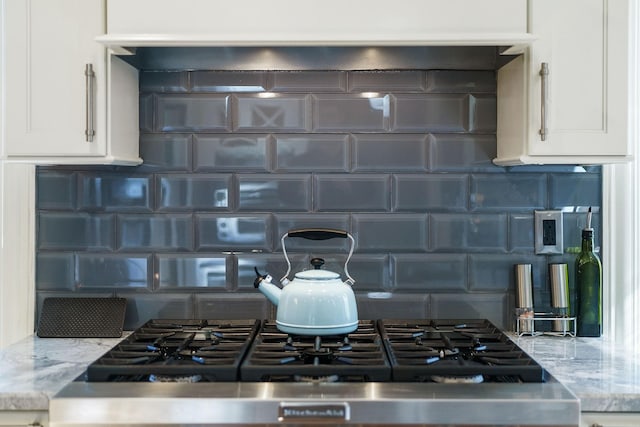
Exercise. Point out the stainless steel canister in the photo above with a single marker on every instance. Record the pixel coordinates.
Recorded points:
(559, 281)
(524, 297)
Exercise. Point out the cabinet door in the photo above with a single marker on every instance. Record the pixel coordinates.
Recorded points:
(48, 44)
(585, 44)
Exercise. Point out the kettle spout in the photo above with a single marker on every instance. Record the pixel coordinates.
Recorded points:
(268, 289)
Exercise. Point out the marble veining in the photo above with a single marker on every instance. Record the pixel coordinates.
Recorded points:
(603, 374)
(34, 369)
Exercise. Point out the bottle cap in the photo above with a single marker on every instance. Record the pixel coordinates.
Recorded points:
(587, 233)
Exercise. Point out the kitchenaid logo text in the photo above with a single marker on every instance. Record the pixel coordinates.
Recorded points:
(313, 411)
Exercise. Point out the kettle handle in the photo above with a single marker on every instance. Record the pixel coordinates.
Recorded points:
(317, 234)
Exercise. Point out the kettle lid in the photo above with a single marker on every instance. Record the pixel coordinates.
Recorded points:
(317, 275)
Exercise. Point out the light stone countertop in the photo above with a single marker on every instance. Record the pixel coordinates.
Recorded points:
(605, 375)
(602, 374)
(34, 369)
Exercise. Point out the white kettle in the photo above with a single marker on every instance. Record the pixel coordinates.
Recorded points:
(317, 301)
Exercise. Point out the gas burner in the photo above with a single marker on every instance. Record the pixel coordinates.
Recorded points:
(454, 350)
(177, 351)
(357, 356)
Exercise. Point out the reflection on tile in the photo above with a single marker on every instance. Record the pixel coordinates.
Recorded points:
(114, 192)
(444, 192)
(390, 152)
(180, 113)
(228, 232)
(311, 153)
(155, 232)
(362, 112)
(281, 112)
(193, 191)
(237, 152)
(192, 271)
(113, 271)
(274, 193)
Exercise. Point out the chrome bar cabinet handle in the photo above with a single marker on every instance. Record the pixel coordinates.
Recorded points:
(89, 119)
(544, 74)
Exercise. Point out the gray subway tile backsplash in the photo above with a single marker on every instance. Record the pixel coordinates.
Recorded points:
(180, 192)
(233, 152)
(432, 193)
(112, 192)
(368, 112)
(431, 113)
(167, 81)
(390, 152)
(226, 81)
(75, 230)
(201, 112)
(286, 112)
(155, 232)
(404, 81)
(233, 160)
(357, 193)
(179, 271)
(166, 152)
(311, 152)
(113, 271)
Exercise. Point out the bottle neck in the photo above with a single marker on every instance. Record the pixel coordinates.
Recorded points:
(587, 241)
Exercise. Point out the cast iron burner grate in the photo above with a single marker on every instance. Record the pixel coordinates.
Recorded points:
(455, 351)
(179, 351)
(355, 357)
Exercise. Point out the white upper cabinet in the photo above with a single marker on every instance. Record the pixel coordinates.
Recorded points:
(325, 22)
(575, 111)
(60, 106)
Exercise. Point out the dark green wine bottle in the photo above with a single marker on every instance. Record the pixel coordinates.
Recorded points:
(588, 288)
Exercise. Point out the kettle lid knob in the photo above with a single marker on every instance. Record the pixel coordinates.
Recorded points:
(317, 263)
